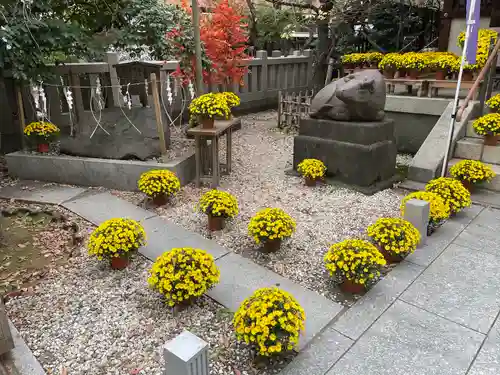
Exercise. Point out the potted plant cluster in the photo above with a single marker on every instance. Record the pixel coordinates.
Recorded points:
(494, 103)
(313, 170)
(443, 64)
(270, 227)
(270, 320)
(159, 185)
(394, 237)
(439, 210)
(485, 39)
(115, 240)
(183, 274)
(354, 263)
(206, 108)
(414, 63)
(218, 206)
(471, 173)
(389, 64)
(41, 133)
(489, 127)
(452, 191)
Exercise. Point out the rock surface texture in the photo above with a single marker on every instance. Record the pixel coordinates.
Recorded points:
(356, 97)
(349, 132)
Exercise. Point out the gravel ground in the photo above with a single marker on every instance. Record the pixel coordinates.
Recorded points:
(90, 319)
(324, 214)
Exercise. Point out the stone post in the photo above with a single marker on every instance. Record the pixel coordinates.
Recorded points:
(186, 354)
(6, 342)
(417, 213)
(262, 55)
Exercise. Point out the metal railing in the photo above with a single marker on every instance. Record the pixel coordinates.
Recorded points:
(487, 86)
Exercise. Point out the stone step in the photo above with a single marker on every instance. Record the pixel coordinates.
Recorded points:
(470, 131)
(474, 148)
(494, 184)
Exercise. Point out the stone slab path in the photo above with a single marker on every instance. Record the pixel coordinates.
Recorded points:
(436, 313)
(239, 276)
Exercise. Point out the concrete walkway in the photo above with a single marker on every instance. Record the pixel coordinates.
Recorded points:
(436, 313)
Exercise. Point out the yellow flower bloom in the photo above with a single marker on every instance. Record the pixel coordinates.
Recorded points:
(271, 223)
(312, 168)
(472, 171)
(219, 203)
(454, 194)
(257, 324)
(159, 181)
(395, 235)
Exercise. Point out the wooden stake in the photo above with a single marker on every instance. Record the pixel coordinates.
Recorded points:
(20, 109)
(159, 122)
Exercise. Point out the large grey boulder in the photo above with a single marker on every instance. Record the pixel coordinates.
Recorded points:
(123, 141)
(358, 96)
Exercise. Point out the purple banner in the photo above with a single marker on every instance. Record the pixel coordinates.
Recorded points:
(470, 55)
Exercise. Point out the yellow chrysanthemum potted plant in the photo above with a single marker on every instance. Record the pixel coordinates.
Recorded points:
(182, 275)
(159, 185)
(453, 192)
(389, 64)
(269, 227)
(313, 170)
(218, 206)
(395, 238)
(439, 210)
(354, 264)
(232, 101)
(207, 107)
(489, 127)
(414, 63)
(41, 133)
(471, 173)
(493, 103)
(115, 240)
(271, 320)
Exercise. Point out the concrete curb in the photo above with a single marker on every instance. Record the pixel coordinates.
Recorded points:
(109, 173)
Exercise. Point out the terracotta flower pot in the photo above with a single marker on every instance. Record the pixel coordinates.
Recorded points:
(389, 257)
(491, 140)
(271, 246)
(467, 75)
(441, 75)
(215, 223)
(349, 286)
(414, 73)
(401, 73)
(207, 122)
(389, 73)
(120, 263)
(468, 185)
(309, 181)
(43, 147)
(160, 200)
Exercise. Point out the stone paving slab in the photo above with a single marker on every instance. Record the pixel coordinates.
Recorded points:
(39, 192)
(240, 277)
(409, 341)
(487, 361)
(443, 237)
(320, 355)
(163, 236)
(100, 207)
(367, 309)
(462, 286)
(480, 238)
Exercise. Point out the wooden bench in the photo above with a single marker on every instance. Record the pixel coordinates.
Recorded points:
(422, 85)
(435, 85)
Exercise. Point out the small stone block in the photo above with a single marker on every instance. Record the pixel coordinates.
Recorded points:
(491, 154)
(417, 212)
(186, 354)
(40, 192)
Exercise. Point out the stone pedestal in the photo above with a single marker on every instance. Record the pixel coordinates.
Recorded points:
(356, 153)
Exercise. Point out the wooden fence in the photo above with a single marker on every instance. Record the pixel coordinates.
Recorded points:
(293, 106)
(266, 76)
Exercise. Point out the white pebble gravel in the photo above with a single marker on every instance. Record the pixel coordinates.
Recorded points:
(324, 214)
(93, 320)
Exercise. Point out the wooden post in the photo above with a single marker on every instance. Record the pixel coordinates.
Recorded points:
(197, 47)
(159, 122)
(114, 98)
(20, 108)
